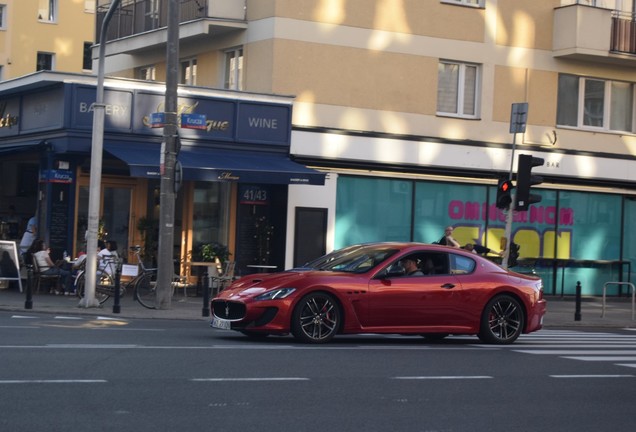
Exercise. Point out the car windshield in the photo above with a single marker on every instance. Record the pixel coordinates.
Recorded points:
(356, 260)
(332, 256)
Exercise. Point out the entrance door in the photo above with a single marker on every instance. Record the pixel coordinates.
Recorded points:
(115, 214)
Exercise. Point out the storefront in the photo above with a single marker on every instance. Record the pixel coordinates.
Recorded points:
(235, 162)
(387, 188)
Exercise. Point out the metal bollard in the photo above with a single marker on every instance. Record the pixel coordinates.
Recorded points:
(116, 304)
(28, 304)
(206, 296)
(577, 312)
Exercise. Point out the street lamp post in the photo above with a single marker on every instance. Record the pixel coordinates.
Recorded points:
(97, 147)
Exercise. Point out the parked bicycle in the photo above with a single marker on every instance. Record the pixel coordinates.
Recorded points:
(143, 284)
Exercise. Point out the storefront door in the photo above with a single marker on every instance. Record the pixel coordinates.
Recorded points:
(116, 211)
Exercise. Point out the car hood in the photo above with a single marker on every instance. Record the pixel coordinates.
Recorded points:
(253, 285)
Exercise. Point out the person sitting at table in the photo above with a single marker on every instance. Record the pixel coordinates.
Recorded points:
(48, 267)
(105, 258)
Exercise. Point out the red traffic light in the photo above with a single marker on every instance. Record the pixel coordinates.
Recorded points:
(504, 187)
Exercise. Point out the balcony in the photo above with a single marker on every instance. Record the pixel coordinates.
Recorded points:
(141, 24)
(586, 32)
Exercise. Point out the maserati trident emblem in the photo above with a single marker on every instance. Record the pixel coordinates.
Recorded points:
(227, 310)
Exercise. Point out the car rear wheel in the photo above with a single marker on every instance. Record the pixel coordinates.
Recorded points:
(502, 320)
(316, 318)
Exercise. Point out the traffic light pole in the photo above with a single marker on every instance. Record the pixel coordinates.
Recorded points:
(511, 206)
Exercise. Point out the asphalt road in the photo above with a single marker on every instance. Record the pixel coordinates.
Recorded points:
(64, 373)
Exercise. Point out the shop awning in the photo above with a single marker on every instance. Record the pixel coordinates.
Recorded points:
(208, 164)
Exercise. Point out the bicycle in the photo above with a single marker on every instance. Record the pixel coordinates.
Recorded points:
(144, 283)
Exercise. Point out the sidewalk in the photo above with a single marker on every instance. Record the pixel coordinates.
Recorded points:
(561, 310)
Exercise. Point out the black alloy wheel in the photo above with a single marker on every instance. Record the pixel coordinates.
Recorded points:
(502, 320)
(316, 318)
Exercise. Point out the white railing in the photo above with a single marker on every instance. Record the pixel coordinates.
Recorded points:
(631, 285)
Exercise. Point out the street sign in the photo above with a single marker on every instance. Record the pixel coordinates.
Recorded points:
(193, 121)
(518, 117)
(157, 119)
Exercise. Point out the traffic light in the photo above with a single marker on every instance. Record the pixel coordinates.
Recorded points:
(504, 190)
(513, 256)
(525, 180)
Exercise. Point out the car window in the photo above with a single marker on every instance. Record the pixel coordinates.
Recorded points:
(359, 260)
(461, 264)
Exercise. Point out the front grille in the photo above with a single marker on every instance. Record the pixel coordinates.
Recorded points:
(228, 310)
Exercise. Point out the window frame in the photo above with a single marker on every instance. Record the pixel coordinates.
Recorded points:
(37, 61)
(233, 76)
(3, 16)
(184, 65)
(582, 97)
(468, 3)
(461, 90)
(51, 8)
(142, 73)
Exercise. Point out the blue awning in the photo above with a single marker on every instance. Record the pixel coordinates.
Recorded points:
(208, 164)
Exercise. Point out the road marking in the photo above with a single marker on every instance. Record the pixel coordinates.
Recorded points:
(602, 358)
(442, 377)
(248, 379)
(579, 352)
(51, 381)
(591, 376)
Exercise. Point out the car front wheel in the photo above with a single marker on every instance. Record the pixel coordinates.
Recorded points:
(316, 318)
(502, 320)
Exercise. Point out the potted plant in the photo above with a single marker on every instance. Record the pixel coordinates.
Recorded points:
(211, 252)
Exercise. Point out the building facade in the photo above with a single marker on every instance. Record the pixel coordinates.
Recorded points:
(406, 106)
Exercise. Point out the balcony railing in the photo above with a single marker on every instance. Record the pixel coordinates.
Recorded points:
(134, 17)
(623, 33)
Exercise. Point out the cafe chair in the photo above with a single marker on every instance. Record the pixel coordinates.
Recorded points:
(52, 280)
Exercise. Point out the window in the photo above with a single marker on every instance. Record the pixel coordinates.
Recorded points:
(146, 73)
(457, 86)
(47, 10)
(595, 103)
(465, 2)
(188, 72)
(234, 69)
(87, 60)
(3, 14)
(44, 61)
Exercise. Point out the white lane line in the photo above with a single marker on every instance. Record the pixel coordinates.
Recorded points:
(89, 346)
(444, 377)
(602, 358)
(591, 376)
(579, 352)
(632, 365)
(249, 379)
(23, 317)
(61, 317)
(51, 381)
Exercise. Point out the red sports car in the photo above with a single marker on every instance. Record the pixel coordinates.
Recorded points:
(399, 288)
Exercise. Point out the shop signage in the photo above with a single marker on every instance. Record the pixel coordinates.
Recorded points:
(56, 176)
(254, 195)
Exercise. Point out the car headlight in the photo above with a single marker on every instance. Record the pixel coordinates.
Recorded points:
(276, 294)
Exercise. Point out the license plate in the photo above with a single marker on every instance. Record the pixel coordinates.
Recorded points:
(221, 324)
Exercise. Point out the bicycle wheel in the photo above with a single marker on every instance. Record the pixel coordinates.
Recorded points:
(146, 292)
(104, 286)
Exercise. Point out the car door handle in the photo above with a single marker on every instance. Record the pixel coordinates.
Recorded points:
(448, 285)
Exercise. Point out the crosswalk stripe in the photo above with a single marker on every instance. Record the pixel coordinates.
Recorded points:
(619, 349)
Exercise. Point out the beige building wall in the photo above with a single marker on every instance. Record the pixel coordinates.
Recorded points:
(25, 35)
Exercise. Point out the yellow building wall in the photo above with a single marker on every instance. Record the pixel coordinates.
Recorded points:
(26, 35)
(398, 82)
(416, 17)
